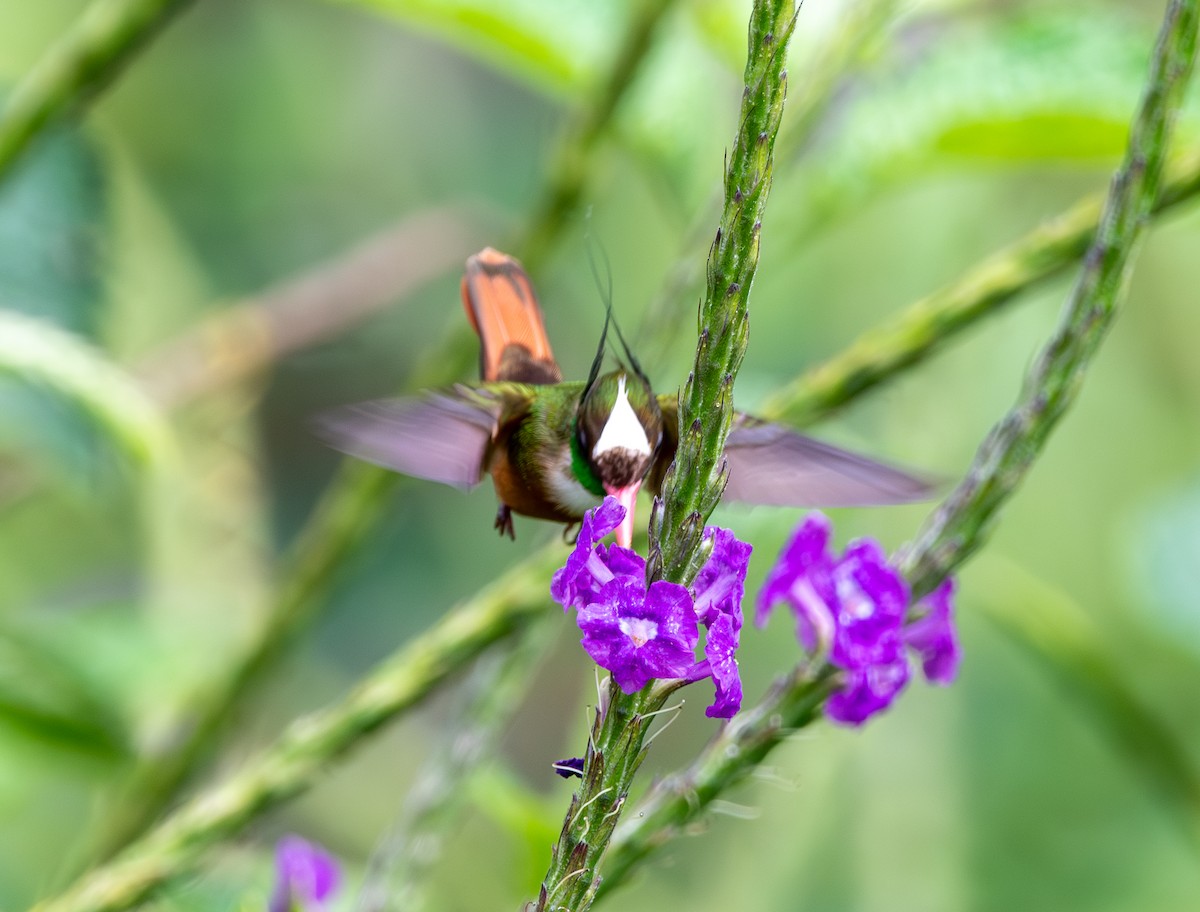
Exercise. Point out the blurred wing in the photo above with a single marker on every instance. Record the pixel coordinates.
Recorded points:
(772, 464)
(439, 437)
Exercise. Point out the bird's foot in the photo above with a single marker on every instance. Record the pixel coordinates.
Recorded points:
(504, 522)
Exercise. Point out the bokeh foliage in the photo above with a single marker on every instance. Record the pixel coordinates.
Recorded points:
(254, 139)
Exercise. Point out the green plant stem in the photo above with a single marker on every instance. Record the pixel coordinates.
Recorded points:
(294, 761)
(398, 874)
(569, 169)
(616, 746)
(792, 703)
(833, 63)
(356, 498)
(89, 56)
(957, 528)
(342, 520)
(695, 481)
(345, 516)
(929, 324)
(242, 339)
(962, 522)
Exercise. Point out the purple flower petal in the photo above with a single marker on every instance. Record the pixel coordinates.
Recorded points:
(871, 601)
(933, 636)
(856, 606)
(639, 635)
(721, 582)
(719, 650)
(622, 561)
(808, 548)
(602, 520)
(569, 768)
(869, 689)
(579, 581)
(803, 577)
(305, 876)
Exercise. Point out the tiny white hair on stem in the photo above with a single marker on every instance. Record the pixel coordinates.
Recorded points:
(671, 709)
(771, 776)
(730, 809)
(599, 794)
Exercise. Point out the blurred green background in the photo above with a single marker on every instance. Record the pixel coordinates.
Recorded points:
(257, 139)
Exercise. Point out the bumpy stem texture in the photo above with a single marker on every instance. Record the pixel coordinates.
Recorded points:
(957, 528)
(694, 484)
(354, 502)
(695, 481)
(107, 35)
(792, 703)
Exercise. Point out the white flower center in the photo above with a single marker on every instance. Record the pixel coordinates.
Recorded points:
(622, 430)
(854, 601)
(816, 610)
(640, 630)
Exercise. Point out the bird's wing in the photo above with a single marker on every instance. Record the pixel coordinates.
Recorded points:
(442, 436)
(774, 465)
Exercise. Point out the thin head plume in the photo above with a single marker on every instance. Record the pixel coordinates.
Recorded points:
(598, 361)
(605, 287)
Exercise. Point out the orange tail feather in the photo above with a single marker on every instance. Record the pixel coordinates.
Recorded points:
(504, 311)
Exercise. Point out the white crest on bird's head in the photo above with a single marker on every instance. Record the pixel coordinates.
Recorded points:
(623, 429)
(619, 428)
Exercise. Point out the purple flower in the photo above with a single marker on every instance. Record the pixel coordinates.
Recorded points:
(719, 651)
(572, 767)
(868, 607)
(590, 565)
(305, 876)
(870, 687)
(803, 577)
(932, 636)
(721, 582)
(641, 633)
(852, 609)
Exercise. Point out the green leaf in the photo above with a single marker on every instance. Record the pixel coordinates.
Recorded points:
(1046, 88)
(52, 212)
(557, 46)
(45, 696)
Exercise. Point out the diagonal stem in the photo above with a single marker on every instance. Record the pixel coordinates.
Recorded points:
(88, 57)
(175, 845)
(569, 171)
(399, 872)
(928, 325)
(961, 524)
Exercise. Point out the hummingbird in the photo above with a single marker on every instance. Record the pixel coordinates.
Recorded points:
(556, 448)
